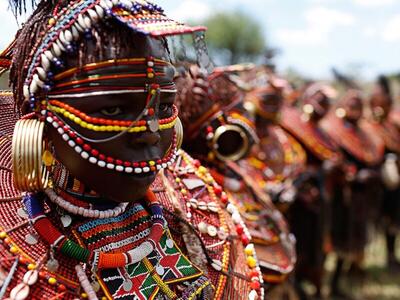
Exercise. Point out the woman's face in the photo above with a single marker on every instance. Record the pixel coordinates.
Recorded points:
(320, 103)
(130, 147)
(381, 105)
(354, 109)
(271, 102)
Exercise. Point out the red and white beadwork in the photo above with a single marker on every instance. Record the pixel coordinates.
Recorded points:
(94, 156)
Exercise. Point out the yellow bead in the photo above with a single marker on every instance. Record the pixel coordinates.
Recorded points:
(177, 180)
(249, 251)
(90, 126)
(104, 298)
(153, 92)
(13, 250)
(76, 120)
(31, 267)
(183, 191)
(52, 281)
(47, 158)
(3, 235)
(115, 128)
(52, 21)
(202, 170)
(84, 295)
(251, 262)
(152, 163)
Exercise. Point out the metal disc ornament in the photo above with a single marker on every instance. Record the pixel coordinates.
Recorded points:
(153, 125)
(127, 285)
(31, 239)
(66, 220)
(52, 265)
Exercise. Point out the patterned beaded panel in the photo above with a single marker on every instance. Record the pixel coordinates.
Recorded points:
(8, 117)
(213, 225)
(274, 244)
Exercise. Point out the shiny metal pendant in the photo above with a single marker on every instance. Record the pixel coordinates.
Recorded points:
(66, 220)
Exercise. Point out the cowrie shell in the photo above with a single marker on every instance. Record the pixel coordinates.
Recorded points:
(212, 231)
(20, 292)
(202, 227)
(92, 14)
(38, 81)
(213, 207)
(68, 36)
(26, 91)
(99, 11)
(217, 265)
(42, 73)
(45, 62)
(81, 22)
(75, 32)
(31, 277)
(202, 205)
(56, 50)
(49, 55)
(59, 44)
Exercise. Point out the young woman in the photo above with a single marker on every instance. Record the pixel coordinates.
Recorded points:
(93, 205)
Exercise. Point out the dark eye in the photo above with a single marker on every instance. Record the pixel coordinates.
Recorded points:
(165, 110)
(111, 111)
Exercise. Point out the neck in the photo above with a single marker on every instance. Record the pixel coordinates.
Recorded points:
(76, 192)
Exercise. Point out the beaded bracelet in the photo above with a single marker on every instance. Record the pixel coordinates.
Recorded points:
(99, 260)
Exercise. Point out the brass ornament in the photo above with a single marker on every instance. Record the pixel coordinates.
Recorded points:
(179, 133)
(236, 155)
(30, 172)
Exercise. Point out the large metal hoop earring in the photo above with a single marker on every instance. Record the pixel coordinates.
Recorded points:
(30, 171)
(179, 133)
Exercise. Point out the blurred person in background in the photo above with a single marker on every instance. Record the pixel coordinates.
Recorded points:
(309, 215)
(353, 202)
(382, 126)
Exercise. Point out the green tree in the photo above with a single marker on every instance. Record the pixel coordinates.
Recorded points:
(234, 37)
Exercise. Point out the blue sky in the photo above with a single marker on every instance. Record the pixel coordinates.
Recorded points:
(314, 35)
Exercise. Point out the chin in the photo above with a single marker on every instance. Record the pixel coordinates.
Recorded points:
(127, 188)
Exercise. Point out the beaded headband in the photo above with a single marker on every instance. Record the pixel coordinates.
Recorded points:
(71, 23)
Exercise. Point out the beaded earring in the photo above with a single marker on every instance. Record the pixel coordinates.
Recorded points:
(29, 157)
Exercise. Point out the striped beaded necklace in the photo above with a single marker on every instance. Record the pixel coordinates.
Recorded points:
(96, 259)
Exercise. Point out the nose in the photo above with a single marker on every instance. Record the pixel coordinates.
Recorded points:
(145, 139)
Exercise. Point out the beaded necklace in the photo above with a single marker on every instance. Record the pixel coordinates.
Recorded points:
(268, 229)
(310, 135)
(292, 157)
(385, 130)
(97, 259)
(354, 140)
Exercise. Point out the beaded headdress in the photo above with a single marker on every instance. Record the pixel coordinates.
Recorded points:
(69, 23)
